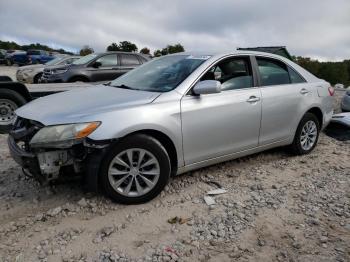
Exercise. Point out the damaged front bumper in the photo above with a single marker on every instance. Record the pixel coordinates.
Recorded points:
(46, 164)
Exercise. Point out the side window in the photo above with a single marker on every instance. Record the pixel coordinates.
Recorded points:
(107, 60)
(233, 73)
(272, 72)
(129, 60)
(295, 78)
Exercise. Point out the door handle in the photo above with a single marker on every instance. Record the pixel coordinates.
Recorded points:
(253, 99)
(304, 91)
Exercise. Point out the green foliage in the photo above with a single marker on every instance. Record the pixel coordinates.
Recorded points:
(86, 50)
(157, 53)
(169, 49)
(113, 47)
(13, 45)
(333, 72)
(124, 46)
(145, 51)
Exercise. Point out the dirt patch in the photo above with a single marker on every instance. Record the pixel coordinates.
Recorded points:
(277, 208)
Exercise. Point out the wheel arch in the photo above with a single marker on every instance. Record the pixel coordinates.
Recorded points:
(37, 76)
(318, 113)
(18, 88)
(166, 141)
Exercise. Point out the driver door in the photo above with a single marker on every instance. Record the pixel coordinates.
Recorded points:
(108, 69)
(215, 125)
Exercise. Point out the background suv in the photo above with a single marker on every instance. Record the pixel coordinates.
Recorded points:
(94, 67)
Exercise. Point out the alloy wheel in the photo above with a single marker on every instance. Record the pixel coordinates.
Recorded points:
(134, 172)
(308, 135)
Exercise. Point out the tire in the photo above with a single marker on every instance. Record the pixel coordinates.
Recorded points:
(297, 146)
(78, 79)
(9, 101)
(37, 77)
(151, 148)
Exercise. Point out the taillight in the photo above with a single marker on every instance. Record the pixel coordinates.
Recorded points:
(331, 91)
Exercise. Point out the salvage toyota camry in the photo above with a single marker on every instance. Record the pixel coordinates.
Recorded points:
(171, 115)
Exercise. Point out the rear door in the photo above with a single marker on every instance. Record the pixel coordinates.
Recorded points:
(285, 97)
(128, 62)
(215, 125)
(108, 69)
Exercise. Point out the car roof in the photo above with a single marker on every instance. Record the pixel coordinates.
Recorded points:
(227, 53)
(121, 52)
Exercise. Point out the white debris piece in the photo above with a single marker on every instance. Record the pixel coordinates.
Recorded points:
(209, 200)
(218, 191)
(342, 118)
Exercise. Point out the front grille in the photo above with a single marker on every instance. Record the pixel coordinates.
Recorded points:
(47, 73)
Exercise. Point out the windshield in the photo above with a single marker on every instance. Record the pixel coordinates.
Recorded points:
(54, 61)
(160, 75)
(84, 59)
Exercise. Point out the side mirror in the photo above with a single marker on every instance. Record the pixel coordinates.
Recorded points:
(96, 64)
(207, 87)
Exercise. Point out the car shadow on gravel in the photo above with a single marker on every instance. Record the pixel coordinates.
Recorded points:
(338, 131)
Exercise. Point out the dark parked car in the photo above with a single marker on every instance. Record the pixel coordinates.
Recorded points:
(94, 67)
(9, 56)
(29, 57)
(39, 56)
(2, 56)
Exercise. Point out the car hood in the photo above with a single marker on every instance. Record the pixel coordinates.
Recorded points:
(50, 67)
(82, 104)
(37, 66)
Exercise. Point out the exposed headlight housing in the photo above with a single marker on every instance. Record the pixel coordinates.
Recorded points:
(62, 136)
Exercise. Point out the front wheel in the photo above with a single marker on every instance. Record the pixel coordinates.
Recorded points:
(37, 78)
(135, 170)
(307, 134)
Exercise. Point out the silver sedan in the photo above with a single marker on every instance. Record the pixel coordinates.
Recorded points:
(31, 74)
(171, 115)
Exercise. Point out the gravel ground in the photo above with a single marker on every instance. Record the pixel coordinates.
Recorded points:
(277, 207)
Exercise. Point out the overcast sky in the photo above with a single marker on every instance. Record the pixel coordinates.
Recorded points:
(315, 28)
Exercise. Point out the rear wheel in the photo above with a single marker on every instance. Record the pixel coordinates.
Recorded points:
(307, 134)
(135, 170)
(9, 102)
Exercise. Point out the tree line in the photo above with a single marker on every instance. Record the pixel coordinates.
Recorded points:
(332, 72)
(7, 45)
(127, 46)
